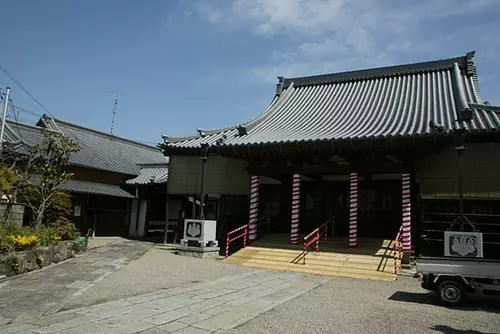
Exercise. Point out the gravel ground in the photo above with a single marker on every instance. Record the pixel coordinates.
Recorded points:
(158, 269)
(364, 306)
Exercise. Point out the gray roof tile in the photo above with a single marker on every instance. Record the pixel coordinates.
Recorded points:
(86, 187)
(368, 104)
(154, 173)
(104, 151)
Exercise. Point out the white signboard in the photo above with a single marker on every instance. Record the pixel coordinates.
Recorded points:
(463, 244)
(78, 210)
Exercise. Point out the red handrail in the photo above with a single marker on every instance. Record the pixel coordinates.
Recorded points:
(397, 248)
(244, 235)
(317, 234)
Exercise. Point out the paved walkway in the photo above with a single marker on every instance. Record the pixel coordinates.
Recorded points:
(207, 307)
(102, 241)
(49, 290)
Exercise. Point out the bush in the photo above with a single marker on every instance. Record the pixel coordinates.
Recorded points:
(65, 229)
(24, 238)
(17, 239)
(48, 236)
(22, 242)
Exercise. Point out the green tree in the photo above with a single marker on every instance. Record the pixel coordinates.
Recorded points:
(8, 180)
(51, 170)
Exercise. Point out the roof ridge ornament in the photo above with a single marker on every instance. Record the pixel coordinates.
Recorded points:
(464, 113)
(242, 131)
(280, 86)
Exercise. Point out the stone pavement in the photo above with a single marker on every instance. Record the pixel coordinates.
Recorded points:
(48, 290)
(207, 307)
(102, 241)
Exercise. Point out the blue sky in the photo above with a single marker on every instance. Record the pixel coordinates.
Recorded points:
(187, 64)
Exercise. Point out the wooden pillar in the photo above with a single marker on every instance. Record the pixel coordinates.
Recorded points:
(294, 232)
(133, 217)
(254, 207)
(353, 211)
(141, 224)
(406, 199)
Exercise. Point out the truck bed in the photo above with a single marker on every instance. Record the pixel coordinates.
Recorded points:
(477, 268)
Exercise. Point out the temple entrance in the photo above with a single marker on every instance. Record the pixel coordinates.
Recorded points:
(379, 207)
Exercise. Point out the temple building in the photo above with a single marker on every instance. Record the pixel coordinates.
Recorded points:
(371, 152)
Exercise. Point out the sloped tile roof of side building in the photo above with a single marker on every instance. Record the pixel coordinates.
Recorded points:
(104, 151)
(98, 150)
(386, 102)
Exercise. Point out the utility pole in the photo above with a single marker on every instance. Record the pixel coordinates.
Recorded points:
(4, 115)
(117, 95)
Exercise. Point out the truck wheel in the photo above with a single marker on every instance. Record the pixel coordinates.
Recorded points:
(451, 292)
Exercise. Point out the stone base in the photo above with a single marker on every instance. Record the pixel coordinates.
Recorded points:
(21, 262)
(199, 252)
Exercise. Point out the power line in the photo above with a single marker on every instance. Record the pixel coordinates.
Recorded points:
(26, 111)
(24, 89)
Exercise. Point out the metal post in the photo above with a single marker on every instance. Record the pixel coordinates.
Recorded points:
(204, 158)
(94, 225)
(4, 115)
(202, 197)
(193, 208)
(460, 150)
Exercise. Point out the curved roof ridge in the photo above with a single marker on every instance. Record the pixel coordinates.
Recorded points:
(485, 106)
(277, 100)
(466, 62)
(247, 123)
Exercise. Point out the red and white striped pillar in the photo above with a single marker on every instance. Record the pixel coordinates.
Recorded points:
(405, 177)
(353, 213)
(294, 233)
(254, 208)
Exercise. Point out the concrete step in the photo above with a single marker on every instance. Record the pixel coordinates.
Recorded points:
(316, 270)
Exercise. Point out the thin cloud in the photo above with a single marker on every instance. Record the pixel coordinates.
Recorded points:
(336, 35)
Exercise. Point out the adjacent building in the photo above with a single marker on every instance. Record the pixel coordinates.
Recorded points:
(118, 185)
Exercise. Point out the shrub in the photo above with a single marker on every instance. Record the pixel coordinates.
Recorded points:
(20, 242)
(64, 229)
(48, 236)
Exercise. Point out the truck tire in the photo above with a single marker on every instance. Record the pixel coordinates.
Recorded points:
(451, 293)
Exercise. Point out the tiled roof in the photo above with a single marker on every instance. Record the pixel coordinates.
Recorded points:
(152, 173)
(22, 137)
(369, 104)
(104, 151)
(94, 188)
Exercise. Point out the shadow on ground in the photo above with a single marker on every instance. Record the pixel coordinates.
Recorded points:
(450, 330)
(473, 303)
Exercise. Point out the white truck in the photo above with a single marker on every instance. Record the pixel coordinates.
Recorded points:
(454, 278)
